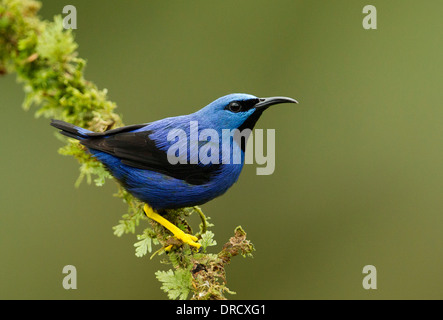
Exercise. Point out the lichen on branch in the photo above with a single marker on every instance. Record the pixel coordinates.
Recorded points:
(43, 56)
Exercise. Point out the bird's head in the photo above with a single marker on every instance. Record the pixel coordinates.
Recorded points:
(238, 110)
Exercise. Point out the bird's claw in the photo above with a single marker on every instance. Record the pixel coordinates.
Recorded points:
(179, 234)
(189, 239)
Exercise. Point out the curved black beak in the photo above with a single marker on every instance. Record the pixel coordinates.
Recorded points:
(264, 103)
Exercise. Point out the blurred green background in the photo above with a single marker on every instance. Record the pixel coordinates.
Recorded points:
(359, 163)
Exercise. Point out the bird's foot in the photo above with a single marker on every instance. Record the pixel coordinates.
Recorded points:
(179, 234)
(188, 238)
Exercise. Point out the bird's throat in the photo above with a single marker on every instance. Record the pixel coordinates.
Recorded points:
(249, 124)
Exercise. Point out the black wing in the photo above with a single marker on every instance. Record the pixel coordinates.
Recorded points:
(117, 130)
(137, 150)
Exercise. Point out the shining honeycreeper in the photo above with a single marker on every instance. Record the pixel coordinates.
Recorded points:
(139, 156)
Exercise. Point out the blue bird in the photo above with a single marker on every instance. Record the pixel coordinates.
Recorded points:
(143, 157)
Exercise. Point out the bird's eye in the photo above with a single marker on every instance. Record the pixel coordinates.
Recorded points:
(234, 107)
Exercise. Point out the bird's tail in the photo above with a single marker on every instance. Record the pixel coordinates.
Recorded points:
(70, 130)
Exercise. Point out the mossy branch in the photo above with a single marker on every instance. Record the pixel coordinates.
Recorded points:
(43, 55)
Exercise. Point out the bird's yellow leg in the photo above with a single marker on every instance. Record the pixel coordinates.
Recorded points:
(179, 234)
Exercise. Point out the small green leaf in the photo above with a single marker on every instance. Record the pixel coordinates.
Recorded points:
(142, 247)
(207, 240)
(176, 284)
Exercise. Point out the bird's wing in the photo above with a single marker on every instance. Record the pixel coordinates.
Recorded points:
(137, 150)
(117, 130)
